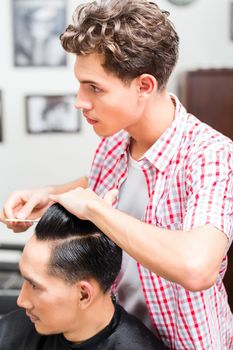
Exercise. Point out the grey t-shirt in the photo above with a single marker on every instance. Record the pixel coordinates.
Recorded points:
(133, 198)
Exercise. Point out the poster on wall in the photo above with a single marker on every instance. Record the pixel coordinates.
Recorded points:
(231, 21)
(1, 139)
(52, 114)
(37, 27)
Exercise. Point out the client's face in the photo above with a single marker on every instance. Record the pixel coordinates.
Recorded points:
(50, 303)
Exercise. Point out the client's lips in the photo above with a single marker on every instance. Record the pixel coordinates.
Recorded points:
(32, 317)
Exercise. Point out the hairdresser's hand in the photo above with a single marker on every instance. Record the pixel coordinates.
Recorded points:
(25, 204)
(78, 201)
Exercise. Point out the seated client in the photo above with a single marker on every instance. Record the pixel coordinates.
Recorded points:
(68, 267)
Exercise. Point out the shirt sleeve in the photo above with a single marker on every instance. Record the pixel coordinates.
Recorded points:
(209, 186)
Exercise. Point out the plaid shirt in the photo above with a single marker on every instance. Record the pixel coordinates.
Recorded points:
(189, 175)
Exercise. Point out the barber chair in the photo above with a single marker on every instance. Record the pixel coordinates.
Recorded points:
(10, 279)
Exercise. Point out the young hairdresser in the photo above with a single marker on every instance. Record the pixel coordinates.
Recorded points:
(172, 215)
(68, 267)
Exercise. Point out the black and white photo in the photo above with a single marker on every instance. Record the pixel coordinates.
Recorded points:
(52, 114)
(231, 21)
(1, 136)
(37, 27)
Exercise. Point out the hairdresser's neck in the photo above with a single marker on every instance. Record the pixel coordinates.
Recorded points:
(94, 319)
(157, 116)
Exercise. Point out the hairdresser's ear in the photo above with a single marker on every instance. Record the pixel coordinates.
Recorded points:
(147, 86)
(86, 292)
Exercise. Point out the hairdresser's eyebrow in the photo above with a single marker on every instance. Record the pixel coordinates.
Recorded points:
(29, 279)
(89, 82)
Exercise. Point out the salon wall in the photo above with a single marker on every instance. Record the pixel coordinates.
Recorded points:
(35, 160)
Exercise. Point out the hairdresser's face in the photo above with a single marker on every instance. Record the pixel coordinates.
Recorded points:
(108, 104)
(49, 302)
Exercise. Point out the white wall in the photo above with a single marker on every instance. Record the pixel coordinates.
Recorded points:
(36, 160)
(204, 30)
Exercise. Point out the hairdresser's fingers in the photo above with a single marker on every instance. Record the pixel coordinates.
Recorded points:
(76, 201)
(34, 204)
(2, 218)
(13, 225)
(15, 202)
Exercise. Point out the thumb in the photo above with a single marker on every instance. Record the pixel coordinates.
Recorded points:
(2, 218)
(111, 196)
(27, 208)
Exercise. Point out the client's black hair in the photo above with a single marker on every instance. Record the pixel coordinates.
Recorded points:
(79, 249)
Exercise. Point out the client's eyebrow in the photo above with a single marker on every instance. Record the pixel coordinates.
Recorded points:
(29, 279)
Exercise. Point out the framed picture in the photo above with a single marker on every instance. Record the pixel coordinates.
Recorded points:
(231, 21)
(1, 138)
(37, 27)
(52, 114)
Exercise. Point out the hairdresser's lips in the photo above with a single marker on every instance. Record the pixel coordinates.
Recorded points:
(89, 120)
(32, 317)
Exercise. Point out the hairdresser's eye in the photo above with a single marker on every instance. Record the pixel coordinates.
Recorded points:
(95, 89)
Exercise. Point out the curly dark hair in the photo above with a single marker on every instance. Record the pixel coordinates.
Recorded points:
(134, 36)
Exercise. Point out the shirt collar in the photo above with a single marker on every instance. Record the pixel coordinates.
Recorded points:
(163, 150)
(120, 143)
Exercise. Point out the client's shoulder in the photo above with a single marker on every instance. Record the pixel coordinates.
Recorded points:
(135, 334)
(17, 318)
(17, 331)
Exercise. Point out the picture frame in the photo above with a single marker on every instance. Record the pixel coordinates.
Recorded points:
(1, 117)
(37, 27)
(52, 114)
(231, 20)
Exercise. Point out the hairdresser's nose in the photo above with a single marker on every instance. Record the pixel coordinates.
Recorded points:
(82, 102)
(24, 297)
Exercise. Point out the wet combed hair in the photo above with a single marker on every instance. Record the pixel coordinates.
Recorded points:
(79, 249)
(134, 37)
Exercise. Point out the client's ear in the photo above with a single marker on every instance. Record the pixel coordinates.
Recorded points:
(85, 293)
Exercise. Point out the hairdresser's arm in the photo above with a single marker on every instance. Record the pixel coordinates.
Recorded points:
(190, 258)
(31, 204)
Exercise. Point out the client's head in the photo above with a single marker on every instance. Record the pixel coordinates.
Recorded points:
(68, 266)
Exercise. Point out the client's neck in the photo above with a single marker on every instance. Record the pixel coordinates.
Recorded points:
(93, 319)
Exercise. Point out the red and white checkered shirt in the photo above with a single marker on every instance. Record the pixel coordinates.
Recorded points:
(189, 174)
